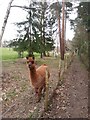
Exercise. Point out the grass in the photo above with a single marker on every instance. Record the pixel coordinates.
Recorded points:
(24, 87)
(49, 61)
(11, 94)
(9, 54)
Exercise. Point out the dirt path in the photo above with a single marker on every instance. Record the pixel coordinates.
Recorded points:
(71, 99)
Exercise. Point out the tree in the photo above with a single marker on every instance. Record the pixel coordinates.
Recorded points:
(64, 9)
(82, 26)
(33, 31)
(5, 20)
(63, 31)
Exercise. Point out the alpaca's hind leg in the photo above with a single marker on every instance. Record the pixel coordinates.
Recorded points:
(43, 90)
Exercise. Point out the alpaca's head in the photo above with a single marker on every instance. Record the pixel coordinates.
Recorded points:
(30, 62)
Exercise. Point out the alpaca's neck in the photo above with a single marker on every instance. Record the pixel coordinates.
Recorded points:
(33, 75)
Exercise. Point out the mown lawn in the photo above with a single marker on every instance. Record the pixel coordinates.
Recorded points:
(9, 54)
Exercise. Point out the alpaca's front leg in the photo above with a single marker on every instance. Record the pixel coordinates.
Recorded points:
(38, 93)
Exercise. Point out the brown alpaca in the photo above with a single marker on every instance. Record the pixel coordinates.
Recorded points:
(37, 76)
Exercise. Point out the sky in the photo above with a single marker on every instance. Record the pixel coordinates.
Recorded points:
(17, 15)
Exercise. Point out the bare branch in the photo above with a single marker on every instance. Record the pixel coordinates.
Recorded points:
(5, 21)
(23, 7)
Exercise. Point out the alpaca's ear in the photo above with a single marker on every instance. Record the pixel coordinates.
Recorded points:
(33, 57)
(26, 57)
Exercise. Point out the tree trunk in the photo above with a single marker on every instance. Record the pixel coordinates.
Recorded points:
(44, 53)
(5, 21)
(89, 52)
(19, 54)
(63, 30)
(41, 56)
(43, 27)
(30, 52)
(59, 28)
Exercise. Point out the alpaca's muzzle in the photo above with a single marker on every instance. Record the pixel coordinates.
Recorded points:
(30, 65)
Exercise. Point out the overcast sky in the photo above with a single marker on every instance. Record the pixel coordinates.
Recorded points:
(17, 15)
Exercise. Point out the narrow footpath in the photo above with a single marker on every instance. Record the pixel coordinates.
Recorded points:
(71, 98)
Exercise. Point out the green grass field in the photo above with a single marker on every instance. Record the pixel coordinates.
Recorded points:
(9, 54)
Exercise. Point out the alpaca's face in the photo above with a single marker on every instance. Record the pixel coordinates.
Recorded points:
(30, 62)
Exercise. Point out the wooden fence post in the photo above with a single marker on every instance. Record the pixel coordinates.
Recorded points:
(59, 71)
(68, 60)
(62, 68)
(65, 62)
(47, 89)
